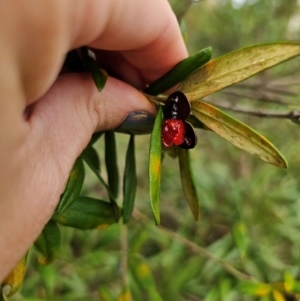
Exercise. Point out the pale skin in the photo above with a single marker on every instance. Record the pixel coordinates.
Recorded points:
(39, 147)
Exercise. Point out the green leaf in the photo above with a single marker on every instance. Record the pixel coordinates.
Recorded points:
(125, 295)
(278, 296)
(155, 157)
(48, 243)
(73, 186)
(187, 182)
(95, 137)
(295, 288)
(238, 133)
(143, 276)
(212, 295)
(111, 163)
(2, 294)
(99, 75)
(101, 180)
(179, 72)
(239, 234)
(255, 288)
(137, 240)
(87, 213)
(14, 280)
(290, 283)
(129, 181)
(91, 155)
(106, 294)
(235, 67)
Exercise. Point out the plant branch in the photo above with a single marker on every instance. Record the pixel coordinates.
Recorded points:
(293, 115)
(195, 248)
(266, 88)
(202, 251)
(124, 257)
(258, 98)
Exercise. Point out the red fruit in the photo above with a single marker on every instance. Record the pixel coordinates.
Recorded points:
(173, 132)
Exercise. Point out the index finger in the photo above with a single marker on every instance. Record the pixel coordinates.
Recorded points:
(145, 32)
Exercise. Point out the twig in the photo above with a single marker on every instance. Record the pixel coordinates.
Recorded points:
(264, 87)
(293, 115)
(254, 97)
(124, 257)
(196, 249)
(192, 246)
(288, 81)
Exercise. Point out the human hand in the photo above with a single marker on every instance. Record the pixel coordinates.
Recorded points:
(46, 121)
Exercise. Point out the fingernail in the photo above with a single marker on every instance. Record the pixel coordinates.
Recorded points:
(137, 123)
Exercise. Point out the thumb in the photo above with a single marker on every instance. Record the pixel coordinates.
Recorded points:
(73, 109)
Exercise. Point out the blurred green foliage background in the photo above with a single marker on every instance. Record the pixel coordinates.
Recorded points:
(246, 245)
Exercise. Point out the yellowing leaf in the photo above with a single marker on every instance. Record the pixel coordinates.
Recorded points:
(238, 133)
(289, 281)
(155, 166)
(255, 288)
(234, 67)
(278, 296)
(187, 182)
(48, 243)
(15, 278)
(142, 275)
(125, 296)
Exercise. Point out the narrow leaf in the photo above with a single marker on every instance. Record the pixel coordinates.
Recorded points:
(14, 280)
(2, 294)
(95, 137)
(106, 294)
(91, 155)
(235, 67)
(238, 133)
(143, 276)
(187, 182)
(99, 75)
(240, 237)
(125, 295)
(129, 181)
(289, 281)
(73, 186)
(101, 180)
(87, 213)
(155, 166)
(255, 288)
(278, 296)
(48, 243)
(179, 72)
(111, 163)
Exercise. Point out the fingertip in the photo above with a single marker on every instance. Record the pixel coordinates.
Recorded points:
(117, 102)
